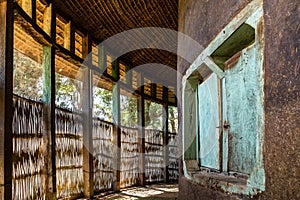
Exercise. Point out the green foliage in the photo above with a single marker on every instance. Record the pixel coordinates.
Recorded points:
(173, 119)
(27, 81)
(102, 104)
(67, 93)
(153, 115)
(129, 114)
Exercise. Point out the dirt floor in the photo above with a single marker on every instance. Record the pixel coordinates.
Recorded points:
(150, 192)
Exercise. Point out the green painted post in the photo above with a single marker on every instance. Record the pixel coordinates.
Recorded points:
(48, 69)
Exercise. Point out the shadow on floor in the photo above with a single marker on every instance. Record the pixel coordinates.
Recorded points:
(150, 192)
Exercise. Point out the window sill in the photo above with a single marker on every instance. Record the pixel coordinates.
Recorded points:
(231, 183)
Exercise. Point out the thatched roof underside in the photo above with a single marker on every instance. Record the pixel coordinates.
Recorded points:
(104, 19)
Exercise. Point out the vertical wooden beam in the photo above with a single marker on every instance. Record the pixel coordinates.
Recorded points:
(101, 57)
(6, 96)
(116, 127)
(166, 134)
(224, 130)
(87, 102)
(33, 11)
(153, 90)
(48, 120)
(141, 139)
(53, 136)
(72, 39)
(128, 75)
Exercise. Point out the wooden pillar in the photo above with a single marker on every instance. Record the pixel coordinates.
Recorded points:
(52, 170)
(166, 135)
(6, 96)
(33, 11)
(128, 75)
(87, 102)
(101, 58)
(116, 127)
(48, 68)
(141, 140)
(153, 90)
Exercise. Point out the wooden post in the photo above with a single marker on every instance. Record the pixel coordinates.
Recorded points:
(128, 75)
(101, 58)
(87, 98)
(166, 135)
(153, 90)
(49, 120)
(141, 140)
(33, 11)
(6, 96)
(52, 145)
(116, 127)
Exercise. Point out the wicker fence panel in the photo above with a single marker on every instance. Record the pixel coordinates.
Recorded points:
(129, 157)
(69, 153)
(173, 157)
(154, 164)
(29, 180)
(103, 155)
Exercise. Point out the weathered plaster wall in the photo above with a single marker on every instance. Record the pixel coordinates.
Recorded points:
(202, 20)
(282, 90)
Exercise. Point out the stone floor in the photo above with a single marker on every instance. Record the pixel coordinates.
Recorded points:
(150, 192)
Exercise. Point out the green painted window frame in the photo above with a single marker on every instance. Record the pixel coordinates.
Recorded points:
(205, 65)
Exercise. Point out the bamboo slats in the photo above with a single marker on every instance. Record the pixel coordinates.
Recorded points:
(29, 176)
(129, 157)
(69, 144)
(103, 155)
(28, 159)
(173, 157)
(154, 164)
